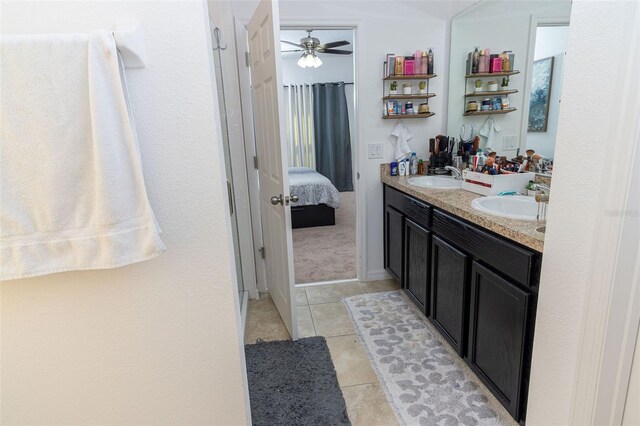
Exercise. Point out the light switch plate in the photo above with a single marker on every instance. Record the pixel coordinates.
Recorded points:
(376, 150)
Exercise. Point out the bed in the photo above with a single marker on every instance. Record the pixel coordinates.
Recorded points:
(318, 198)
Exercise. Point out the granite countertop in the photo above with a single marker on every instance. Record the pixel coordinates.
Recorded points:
(458, 202)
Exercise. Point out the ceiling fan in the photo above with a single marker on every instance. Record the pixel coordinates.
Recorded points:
(310, 46)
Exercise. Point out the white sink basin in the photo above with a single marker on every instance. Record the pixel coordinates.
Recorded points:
(435, 182)
(510, 206)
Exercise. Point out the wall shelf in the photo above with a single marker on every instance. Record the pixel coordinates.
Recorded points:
(411, 77)
(403, 116)
(425, 96)
(499, 92)
(495, 111)
(492, 74)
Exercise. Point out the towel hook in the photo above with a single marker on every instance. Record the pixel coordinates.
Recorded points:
(216, 34)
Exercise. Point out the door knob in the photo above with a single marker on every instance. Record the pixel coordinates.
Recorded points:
(275, 200)
(295, 198)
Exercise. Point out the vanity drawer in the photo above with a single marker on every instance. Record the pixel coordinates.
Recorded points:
(416, 210)
(505, 257)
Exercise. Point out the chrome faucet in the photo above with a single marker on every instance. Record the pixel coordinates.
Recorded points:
(544, 188)
(542, 200)
(455, 172)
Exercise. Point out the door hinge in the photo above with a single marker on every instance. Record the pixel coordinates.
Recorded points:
(255, 162)
(246, 58)
(261, 250)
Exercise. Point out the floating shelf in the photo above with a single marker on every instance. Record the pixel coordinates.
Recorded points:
(425, 96)
(492, 74)
(411, 77)
(495, 111)
(499, 92)
(403, 116)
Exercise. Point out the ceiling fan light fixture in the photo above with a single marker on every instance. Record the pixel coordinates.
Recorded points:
(301, 61)
(309, 60)
(316, 61)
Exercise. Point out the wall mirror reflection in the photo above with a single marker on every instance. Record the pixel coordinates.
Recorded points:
(506, 73)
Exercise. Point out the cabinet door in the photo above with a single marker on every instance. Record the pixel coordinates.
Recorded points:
(497, 335)
(393, 242)
(416, 266)
(449, 285)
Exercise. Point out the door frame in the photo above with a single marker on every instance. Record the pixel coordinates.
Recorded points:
(358, 149)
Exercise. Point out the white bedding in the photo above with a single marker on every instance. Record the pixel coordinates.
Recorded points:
(312, 188)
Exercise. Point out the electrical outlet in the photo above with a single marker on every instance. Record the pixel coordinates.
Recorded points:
(376, 150)
(509, 142)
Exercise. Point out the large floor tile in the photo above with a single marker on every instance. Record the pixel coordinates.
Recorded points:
(301, 297)
(367, 405)
(382, 285)
(264, 321)
(305, 323)
(350, 360)
(331, 319)
(331, 292)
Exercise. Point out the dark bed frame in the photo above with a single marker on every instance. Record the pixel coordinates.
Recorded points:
(310, 216)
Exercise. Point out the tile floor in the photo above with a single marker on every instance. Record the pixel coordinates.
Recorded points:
(321, 313)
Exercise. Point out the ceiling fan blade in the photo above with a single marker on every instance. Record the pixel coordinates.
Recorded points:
(291, 43)
(294, 50)
(333, 44)
(336, 51)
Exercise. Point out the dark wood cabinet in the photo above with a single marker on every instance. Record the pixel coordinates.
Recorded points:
(497, 335)
(416, 276)
(449, 289)
(477, 288)
(393, 242)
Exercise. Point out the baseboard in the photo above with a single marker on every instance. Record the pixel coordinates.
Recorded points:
(378, 275)
(347, 281)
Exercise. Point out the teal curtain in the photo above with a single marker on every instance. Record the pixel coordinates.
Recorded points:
(331, 134)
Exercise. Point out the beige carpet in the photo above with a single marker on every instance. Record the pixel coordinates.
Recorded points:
(326, 253)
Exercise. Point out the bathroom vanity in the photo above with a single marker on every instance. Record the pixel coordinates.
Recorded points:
(475, 277)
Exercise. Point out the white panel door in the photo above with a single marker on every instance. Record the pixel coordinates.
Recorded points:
(266, 85)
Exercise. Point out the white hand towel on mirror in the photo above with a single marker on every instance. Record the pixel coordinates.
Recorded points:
(72, 193)
(490, 131)
(400, 137)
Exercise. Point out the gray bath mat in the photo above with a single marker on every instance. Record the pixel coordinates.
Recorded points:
(424, 379)
(294, 383)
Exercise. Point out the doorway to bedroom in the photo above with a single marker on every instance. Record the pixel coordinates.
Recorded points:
(318, 73)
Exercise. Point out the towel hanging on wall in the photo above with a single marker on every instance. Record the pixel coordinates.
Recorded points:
(71, 184)
(400, 137)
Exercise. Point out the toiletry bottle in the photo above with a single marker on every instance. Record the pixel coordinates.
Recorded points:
(420, 166)
(414, 164)
(476, 61)
(480, 161)
(430, 63)
(407, 166)
(402, 168)
(424, 65)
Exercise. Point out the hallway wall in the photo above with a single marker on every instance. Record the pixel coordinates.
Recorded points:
(156, 342)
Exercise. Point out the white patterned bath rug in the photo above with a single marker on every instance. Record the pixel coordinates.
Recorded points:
(425, 380)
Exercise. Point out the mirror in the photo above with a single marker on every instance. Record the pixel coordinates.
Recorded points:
(523, 103)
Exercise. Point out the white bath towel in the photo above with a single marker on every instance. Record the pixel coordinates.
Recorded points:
(400, 137)
(72, 193)
(490, 131)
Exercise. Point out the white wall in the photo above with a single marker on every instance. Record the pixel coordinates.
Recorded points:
(156, 342)
(550, 41)
(401, 29)
(578, 220)
(497, 26)
(334, 67)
